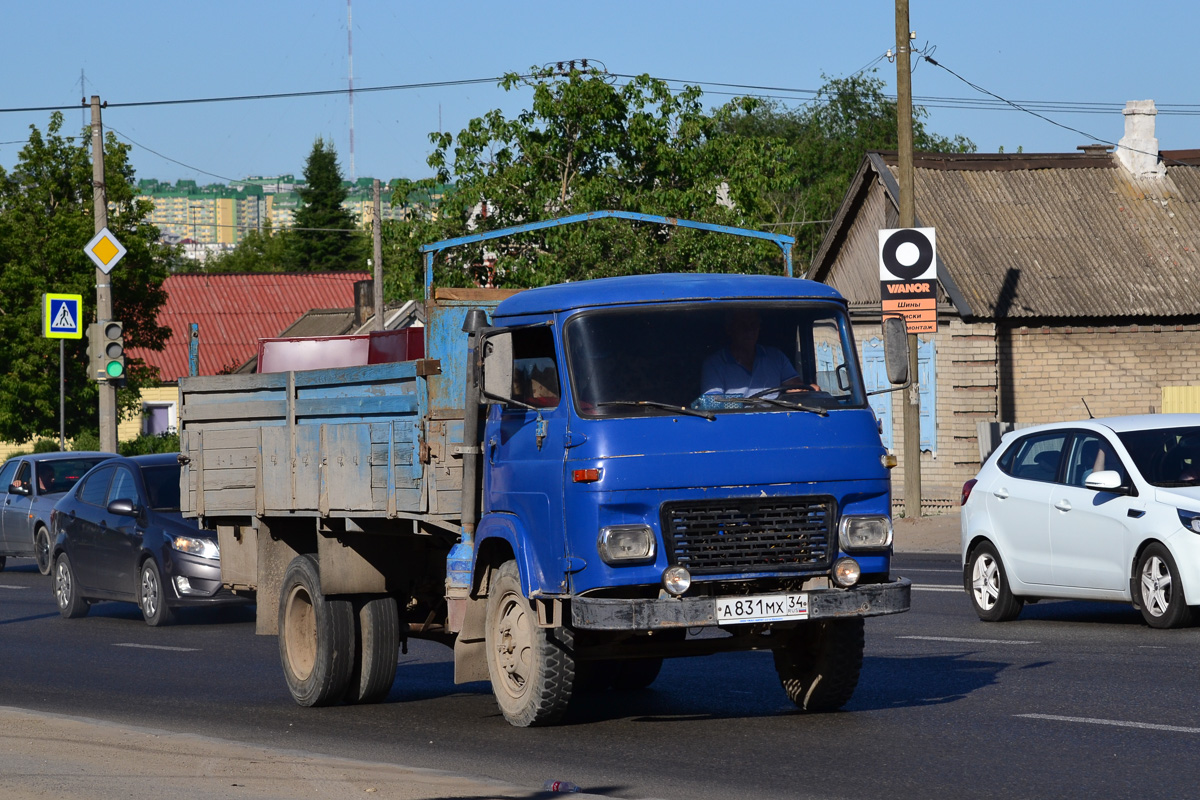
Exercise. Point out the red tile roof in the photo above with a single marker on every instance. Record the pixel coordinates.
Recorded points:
(235, 311)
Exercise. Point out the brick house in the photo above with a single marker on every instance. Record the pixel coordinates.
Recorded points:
(1065, 279)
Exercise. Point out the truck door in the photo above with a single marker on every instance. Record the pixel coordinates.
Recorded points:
(524, 444)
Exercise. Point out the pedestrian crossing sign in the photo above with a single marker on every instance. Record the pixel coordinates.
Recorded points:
(61, 316)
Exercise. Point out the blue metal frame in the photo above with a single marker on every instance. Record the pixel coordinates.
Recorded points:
(784, 241)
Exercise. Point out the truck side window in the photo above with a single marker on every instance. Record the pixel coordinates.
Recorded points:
(535, 369)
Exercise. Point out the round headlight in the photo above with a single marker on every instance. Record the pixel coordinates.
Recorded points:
(846, 572)
(676, 580)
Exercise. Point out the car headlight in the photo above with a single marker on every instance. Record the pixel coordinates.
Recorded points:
(865, 533)
(1190, 519)
(626, 544)
(193, 546)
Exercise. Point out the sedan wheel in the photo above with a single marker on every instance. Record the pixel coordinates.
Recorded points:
(1160, 594)
(41, 550)
(987, 585)
(152, 596)
(66, 590)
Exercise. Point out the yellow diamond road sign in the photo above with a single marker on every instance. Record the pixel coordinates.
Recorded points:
(104, 250)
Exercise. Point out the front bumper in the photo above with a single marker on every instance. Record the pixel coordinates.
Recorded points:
(613, 614)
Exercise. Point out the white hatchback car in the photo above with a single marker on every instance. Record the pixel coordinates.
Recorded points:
(1099, 509)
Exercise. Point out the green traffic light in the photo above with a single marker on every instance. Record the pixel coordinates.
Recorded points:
(114, 369)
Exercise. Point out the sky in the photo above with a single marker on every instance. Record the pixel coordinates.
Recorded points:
(1049, 54)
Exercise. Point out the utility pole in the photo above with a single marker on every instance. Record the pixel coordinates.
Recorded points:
(908, 219)
(108, 391)
(377, 238)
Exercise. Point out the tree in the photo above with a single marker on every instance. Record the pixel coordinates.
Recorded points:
(258, 251)
(808, 156)
(325, 237)
(586, 144)
(45, 220)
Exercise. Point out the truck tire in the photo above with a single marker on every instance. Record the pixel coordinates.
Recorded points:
(316, 636)
(819, 664)
(378, 646)
(532, 669)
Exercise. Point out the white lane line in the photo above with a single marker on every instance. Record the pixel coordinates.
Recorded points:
(931, 587)
(158, 647)
(929, 569)
(1114, 722)
(10, 586)
(967, 641)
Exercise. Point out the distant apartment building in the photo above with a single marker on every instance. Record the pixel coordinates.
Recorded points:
(214, 217)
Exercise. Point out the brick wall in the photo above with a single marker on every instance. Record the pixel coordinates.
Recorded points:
(1046, 373)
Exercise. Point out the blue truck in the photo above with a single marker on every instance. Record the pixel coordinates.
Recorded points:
(563, 490)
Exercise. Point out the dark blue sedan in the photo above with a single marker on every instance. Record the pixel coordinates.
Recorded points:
(30, 486)
(119, 536)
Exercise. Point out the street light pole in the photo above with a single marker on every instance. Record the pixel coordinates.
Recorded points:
(108, 392)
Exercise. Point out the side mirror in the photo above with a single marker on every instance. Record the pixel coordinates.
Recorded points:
(497, 366)
(1106, 480)
(124, 508)
(22, 489)
(895, 349)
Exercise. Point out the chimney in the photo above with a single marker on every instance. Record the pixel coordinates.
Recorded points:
(364, 302)
(1138, 149)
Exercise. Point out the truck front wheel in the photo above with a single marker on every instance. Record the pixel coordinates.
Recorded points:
(819, 663)
(532, 669)
(316, 636)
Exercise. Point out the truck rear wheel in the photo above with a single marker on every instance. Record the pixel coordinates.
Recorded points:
(532, 669)
(316, 636)
(378, 645)
(819, 664)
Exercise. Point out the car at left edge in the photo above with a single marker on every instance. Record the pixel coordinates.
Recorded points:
(119, 535)
(31, 485)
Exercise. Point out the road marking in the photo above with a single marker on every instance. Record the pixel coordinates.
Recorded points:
(930, 569)
(10, 586)
(1114, 722)
(158, 647)
(968, 641)
(931, 587)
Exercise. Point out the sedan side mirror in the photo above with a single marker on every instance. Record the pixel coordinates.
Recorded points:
(1106, 480)
(124, 508)
(20, 488)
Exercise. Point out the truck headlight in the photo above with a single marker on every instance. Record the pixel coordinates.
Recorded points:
(676, 580)
(626, 544)
(846, 572)
(865, 533)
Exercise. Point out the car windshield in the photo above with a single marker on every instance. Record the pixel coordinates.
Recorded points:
(713, 358)
(59, 475)
(1165, 456)
(162, 487)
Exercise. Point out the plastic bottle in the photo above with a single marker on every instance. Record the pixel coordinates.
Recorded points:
(560, 786)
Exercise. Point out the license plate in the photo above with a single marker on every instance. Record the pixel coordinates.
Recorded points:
(762, 608)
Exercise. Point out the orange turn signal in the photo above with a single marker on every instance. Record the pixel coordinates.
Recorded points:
(586, 475)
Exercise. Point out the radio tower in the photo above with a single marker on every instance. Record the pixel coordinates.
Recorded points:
(350, 51)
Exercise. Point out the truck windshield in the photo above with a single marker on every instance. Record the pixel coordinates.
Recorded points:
(713, 358)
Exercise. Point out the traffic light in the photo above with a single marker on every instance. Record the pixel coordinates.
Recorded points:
(106, 350)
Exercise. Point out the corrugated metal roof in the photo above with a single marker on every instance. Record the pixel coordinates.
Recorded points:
(1057, 236)
(235, 311)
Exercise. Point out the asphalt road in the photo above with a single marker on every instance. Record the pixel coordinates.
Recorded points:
(1071, 700)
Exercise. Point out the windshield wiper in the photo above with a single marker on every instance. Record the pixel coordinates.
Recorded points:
(797, 406)
(655, 404)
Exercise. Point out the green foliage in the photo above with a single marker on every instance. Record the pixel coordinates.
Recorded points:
(150, 443)
(45, 446)
(45, 220)
(318, 243)
(86, 440)
(587, 144)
